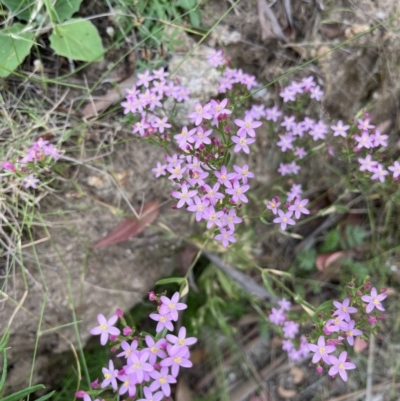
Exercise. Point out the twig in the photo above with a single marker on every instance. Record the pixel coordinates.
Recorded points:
(370, 369)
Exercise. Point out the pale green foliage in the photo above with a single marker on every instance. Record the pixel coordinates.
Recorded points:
(65, 9)
(20, 8)
(77, 39)
(15, 45)
(73, 38)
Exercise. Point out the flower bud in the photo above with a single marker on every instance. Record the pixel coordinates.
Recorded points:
(359, 292)
(80, 394)
(113, 349)
(371, 320)
(152, 296)
(319, 369)
(351, 284)
(127, 331)
(383, 290)
(367, 286)
(95, 384)
(119, 313)
(113, 337)
(227, 129)
(8, 166)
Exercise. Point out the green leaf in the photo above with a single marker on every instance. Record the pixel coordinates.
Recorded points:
(77, 39)
(332, 241)
(170, 280)
(65, 9)
(267, 284)
(4, 373)
(23, 393)
(46, 397)
(22, 9)
(14, 47)
(186, 4)
(195, 18)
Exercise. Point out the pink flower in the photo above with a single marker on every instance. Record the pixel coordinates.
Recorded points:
(339, 129)
(290, 329)
(299, 207)
(379, 173)
(162, 379)
(128, 349)
(8, 166)
(316, 93)
(30, 181)
(212, 217)
(230, 219)
(181, 341)
(110, 376)
(225, 237)
(199, 206)
(284, 304)
(367, 164)
(161, 124)
(364, 141)
(150, 397)
(243, 173)
(351, 332)
(374, 300)
(343, 310)
(163, 321)
(284, 219)
(395, 169)
(83, 394)
(201, 137)
(273, 205)
(272, 114)
(201, 113)
(212, 194)
(144, 79)
(277, 316)
(340, 365)
(171, 306)
(238, 191)
(364, 125)
(247, 126)
(176, 360)
(138, 366)
(288, 95)
(242, 143)
(184, 196)
(225, 178)
(321, 350)
(106, 327)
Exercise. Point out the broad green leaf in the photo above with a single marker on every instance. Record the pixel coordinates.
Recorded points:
(22, 9)
(65, 9)
(77, 39)
(186, 4)
(14, 47)
(170, 280)
(23, 393)
(195, 18)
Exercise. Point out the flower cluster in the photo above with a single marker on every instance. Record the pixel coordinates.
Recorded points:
(294, 206)
(290, 330)
(344, 325)
(149, 364)
(35, 161)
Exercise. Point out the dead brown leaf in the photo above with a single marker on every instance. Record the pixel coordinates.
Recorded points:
(285, 393)
(96, 106)
(268, 22)
(131, 227)
(332, 30)
(359, 345)
(325, 260)
(182, 392)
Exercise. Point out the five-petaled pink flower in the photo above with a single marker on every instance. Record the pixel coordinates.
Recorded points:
(106, 327)
(340, 365)
(374, 300)
(343, 310)
(284, 219)
(321, 350)
(171, 306)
